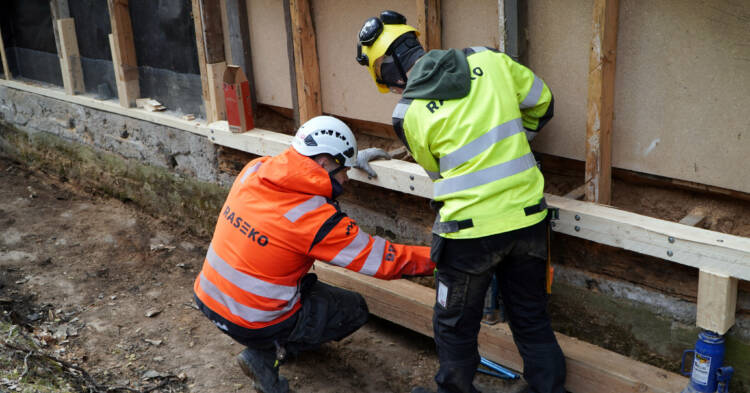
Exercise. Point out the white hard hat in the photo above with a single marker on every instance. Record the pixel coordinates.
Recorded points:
(326, 134)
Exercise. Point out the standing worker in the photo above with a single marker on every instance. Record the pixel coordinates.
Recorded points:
(279, 217)
(466, 118)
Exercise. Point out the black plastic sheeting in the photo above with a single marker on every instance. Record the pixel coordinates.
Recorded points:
(164, 35)
(164, 38)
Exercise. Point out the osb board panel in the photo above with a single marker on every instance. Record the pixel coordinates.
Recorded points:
(683, 72)
(558, 51)
(347, 87)
(269, 51)
(484, 29)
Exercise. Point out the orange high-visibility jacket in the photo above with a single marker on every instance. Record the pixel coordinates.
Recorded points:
(277, 220)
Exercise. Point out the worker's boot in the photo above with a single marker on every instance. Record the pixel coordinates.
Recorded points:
(260, 367)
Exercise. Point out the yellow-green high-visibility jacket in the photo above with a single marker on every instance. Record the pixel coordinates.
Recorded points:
(476, 148)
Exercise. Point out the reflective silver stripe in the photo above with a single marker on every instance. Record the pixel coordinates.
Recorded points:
(478, 49)
(400, 110)
(305, 207)
(245, 312)
(433, 175)
(347, 255)
(533, 97)
(250, 170)
(247, 282)
(478, 145)
(375, 258)
(530, 135)
(484, 176)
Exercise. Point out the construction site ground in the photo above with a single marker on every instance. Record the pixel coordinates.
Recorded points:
(93, 282)
(95, 285)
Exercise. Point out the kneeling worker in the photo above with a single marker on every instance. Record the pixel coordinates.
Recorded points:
(279, 217)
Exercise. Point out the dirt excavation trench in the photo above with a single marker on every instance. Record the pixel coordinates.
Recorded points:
(97, 296)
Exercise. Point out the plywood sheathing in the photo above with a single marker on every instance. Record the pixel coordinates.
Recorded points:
(682, 72)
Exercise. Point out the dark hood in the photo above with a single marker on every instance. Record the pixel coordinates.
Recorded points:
(439, 75)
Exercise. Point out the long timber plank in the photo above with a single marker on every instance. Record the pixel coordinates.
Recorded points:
(719, 253)
(590, 369)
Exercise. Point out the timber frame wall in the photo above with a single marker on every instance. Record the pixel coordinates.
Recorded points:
(721, 258)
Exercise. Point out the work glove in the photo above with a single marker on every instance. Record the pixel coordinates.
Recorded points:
(365, 156)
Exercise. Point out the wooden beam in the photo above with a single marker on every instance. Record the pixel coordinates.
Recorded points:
(304, 56)
(6, 69)
(237, 30)
(429, 23)
(123, 52)
(590, 368)
(70, 58)
(209, 38)
(601, 92)
(717, 301)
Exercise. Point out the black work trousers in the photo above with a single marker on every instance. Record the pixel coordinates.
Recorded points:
(327, 314)
(465, 270)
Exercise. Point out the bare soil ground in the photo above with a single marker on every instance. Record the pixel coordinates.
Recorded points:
(107, 291)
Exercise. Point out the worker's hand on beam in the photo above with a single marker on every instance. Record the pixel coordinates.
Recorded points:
(365, 156)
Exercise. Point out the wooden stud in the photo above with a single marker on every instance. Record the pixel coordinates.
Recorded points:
(237, 40)
(601, 102)
(717, 302)
(304, 57)
(6, 69)
(589, 368)
(429, 23)
(123, 52)
(209, 38)
(70, 58)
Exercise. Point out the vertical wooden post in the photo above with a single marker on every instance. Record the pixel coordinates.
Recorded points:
(209, 38)
(6, 69)
(66, 42)
(238, 40)
(717, 302)
(429, 23)
(601, 92)
(304, 56)
(70, 58)
(123, 52)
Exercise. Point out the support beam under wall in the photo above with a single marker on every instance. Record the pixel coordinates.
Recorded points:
(601, 93)
(209, 38)
(429, 23)
(303, 52)
(6, 69)
(717, 302)
(123, 52)
(590, 369)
